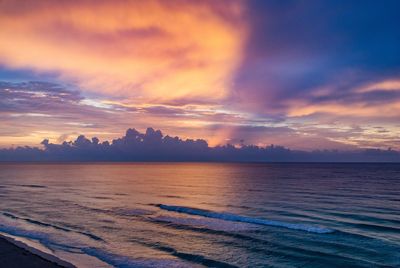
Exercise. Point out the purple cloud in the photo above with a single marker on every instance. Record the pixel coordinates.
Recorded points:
(154, 146)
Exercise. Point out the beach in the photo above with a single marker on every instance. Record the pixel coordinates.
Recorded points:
(16, 254)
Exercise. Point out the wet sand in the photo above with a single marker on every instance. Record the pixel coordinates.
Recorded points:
(14, 256)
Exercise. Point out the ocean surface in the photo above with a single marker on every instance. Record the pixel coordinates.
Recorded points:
(206, 215)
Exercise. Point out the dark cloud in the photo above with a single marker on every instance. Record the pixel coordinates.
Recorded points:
(32, 97)
(371, 97)
(297, 47)
(54, 101)
(154, 146)
(31, 108)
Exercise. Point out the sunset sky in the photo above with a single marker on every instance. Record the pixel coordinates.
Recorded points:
(302, 74)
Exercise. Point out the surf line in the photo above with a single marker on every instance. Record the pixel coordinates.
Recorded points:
(239, 218)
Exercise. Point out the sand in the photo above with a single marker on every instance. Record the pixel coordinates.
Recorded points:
(13, 256)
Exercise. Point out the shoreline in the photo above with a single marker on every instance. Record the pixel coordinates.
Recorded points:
(15, 253)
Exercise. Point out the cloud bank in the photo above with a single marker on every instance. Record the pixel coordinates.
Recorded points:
(138, 50)
(35, 110)
(305, 74)
(154, 146)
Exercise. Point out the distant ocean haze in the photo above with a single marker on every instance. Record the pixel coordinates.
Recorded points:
(206, 214)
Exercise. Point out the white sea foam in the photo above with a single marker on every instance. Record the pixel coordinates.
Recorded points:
(44, 224)
(37, 235)
(239, 218)
(64, 245)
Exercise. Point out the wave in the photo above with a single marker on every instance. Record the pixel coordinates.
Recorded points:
(120, 261)
(239, 218)
(301, 251)
(36, 222)
(61, 246)
(172, 196)
(118, 211)
(268, 246)
(131, 212)
(32, 185)
(212, 224)
(102, 197)
(194, 258)
(44, 238)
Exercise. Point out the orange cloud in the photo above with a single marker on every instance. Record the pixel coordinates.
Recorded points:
(143, 50)
(383, 85)
(356, 109)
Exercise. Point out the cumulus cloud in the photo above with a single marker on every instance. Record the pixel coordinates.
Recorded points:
(154, 146)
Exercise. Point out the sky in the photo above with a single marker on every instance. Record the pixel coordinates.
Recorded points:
(302, 74)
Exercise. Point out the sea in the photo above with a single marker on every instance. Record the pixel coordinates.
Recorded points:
(205, 214)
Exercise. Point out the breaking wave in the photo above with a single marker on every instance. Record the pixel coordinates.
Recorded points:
(239, 218)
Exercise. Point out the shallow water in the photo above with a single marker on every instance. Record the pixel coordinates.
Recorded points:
(212, 215)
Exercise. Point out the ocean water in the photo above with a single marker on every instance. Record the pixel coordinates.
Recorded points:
(206, 215)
